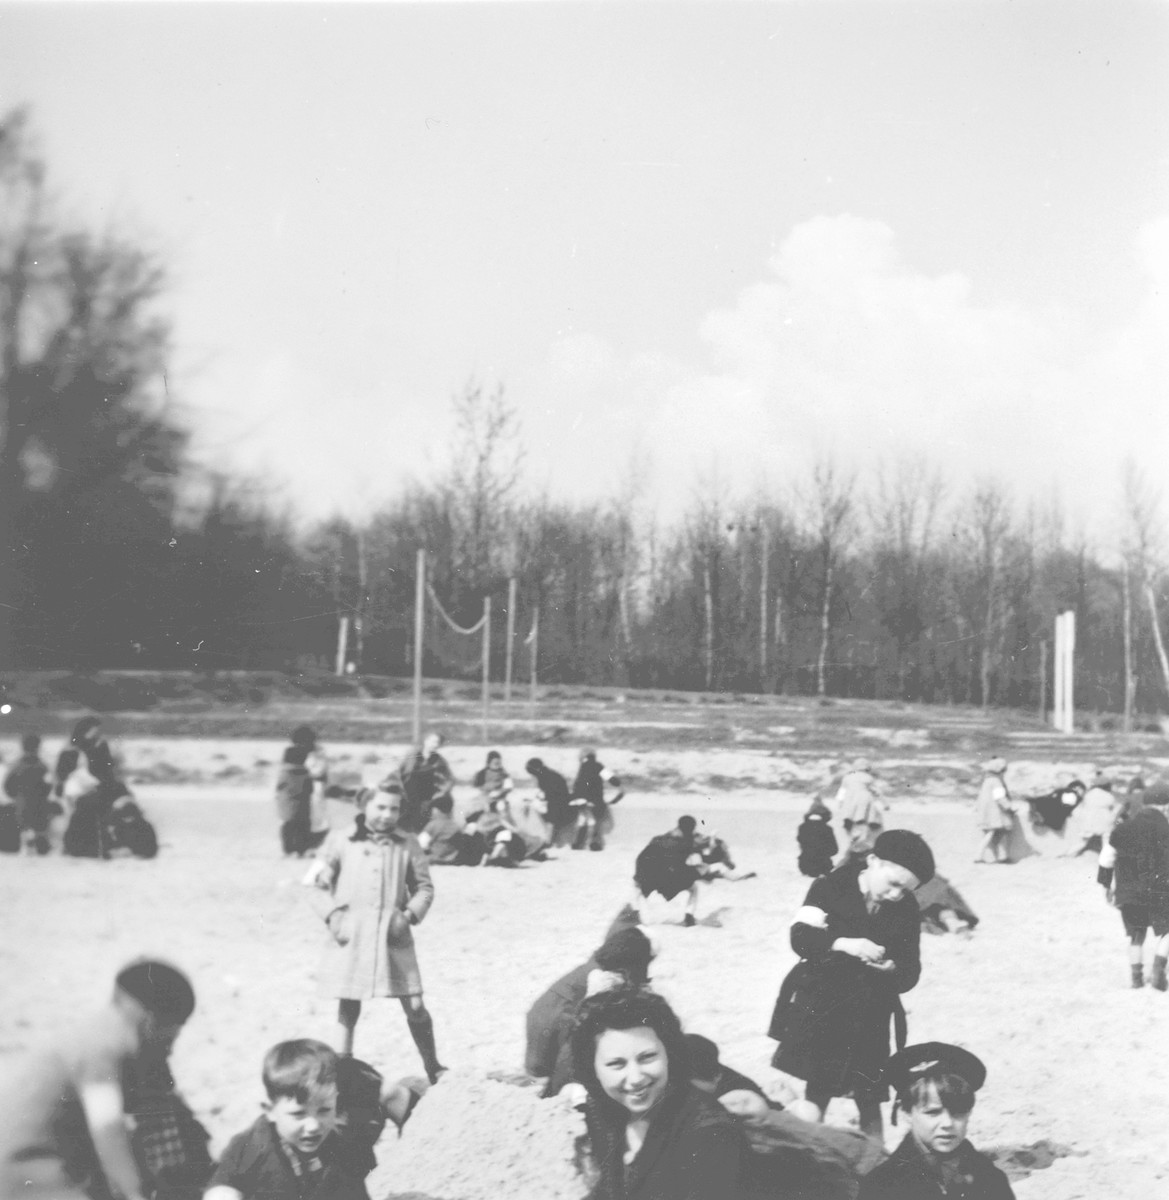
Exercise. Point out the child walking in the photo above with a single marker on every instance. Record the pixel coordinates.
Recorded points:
(858, 937)
(377, 886)
(301, 769)
(935, 1085)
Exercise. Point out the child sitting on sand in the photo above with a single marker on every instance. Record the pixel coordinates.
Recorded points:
(935, 1085)
(292, 1152)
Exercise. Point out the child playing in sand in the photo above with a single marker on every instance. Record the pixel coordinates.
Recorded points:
(935, 1085)
(66, 1113)
(858, 937)
(292, 1152)
(816, 841)
(376, 884)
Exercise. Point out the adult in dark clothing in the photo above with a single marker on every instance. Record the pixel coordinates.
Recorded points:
(624, 957)
(424, 775)
(558, 809)
(935, 1085)
(858, 938)
(1134, 869)
(817, 842)
(671, 864)
(652, 1134)
(594, 821)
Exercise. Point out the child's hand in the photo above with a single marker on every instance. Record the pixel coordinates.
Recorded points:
(336, 925)
(862, 948)
(399, 925)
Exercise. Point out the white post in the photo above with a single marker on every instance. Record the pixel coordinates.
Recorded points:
(342, 643)
(511, 600)
(486, 663)
(419, 610)
(1070, 674)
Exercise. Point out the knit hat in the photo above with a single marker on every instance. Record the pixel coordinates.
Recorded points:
(164, 991)
(626, 949)
(908, 850)
(908, 1065)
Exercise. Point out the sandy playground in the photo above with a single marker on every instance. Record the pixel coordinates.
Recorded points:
(1078, 1090)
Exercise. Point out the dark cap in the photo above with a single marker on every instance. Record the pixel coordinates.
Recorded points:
(304, 735)
(908, 850)
(933, 1058)
(163, 990)
(627, 949)
(703, 1057)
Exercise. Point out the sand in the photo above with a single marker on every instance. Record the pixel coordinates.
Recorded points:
(1078, 1080)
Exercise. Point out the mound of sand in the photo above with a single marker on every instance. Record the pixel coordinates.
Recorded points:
(474, 1138)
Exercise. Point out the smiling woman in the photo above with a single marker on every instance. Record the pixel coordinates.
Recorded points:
(653, 1135)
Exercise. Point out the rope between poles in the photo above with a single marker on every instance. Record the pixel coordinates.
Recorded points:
(447, 617)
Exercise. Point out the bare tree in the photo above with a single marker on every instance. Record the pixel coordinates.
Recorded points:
(830, 515)
(1143, 545)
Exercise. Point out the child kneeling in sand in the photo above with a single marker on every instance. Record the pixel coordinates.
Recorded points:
(935, 1084)
(292, 1152)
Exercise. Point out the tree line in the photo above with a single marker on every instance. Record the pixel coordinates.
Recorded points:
(117, 551)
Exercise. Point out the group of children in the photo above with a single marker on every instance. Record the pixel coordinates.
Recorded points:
(85, 796)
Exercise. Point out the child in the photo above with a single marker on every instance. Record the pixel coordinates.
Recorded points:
(492, 780)
(294, 795)
(595, 821)
(447, 841)
(816, 841)
(860, 810)
(64, 1131)
(1134, 869)
(935, 1085)
(558, 810)
(292, 1152)
(995, 815)
(424, 776)
(858, 938)
(378, 885)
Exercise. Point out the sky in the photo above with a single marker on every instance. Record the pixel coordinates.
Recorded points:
(701, 246)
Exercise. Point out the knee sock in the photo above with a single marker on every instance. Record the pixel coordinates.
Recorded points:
(422, 1031)
(1159, 980)
(1138, 975)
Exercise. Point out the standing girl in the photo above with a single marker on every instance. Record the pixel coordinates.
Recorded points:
(378, 886)
(858, 937)
(995, 815)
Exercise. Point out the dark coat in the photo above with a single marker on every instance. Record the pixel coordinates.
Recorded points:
(423, 781)
(1141, 845)
(256, 1167)
(817, 845)
(554, 788)
(693, 1150)
(909, 1175)
(833, 1013)
(549, 1027)
(662, 866)
(589, 784)
(27, 785)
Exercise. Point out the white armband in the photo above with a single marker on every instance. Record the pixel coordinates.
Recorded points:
(817, 918)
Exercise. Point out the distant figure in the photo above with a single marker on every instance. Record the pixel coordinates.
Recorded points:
(935, 1084)
(1095, 816)
(594, 819)
(64, 1132)
(27, 786)
(377, 886)
(295, 787)
(816, 840)
(1134, 869)
(861, 812)
(447, 840)
(995, 814)
(88, 738)
(1053, 809)
(493, 782)
(623, 958)
(557, 803)
(292, 1151)
(424, 775)
(944, 909)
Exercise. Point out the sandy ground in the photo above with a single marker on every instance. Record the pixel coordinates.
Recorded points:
(1078, 1079)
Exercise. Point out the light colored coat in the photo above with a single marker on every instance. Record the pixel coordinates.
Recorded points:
(994, 804)
(367, 882)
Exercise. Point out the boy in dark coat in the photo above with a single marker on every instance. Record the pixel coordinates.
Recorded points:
(588, 795)
(294, 795)
(935, 1085)
(1134, 869)
(27, 785)
(858, 937)
(558, 810)
(425, 775)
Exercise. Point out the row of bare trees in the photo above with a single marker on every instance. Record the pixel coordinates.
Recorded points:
(114, 552)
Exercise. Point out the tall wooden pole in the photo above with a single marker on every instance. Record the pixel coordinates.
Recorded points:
(419, 611)
(1043, 679)
(763, 580)
(1129, 681)
(534, 654)
(511, 599)
(486, 663)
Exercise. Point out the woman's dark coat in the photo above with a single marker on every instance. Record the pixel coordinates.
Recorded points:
(909, 1175)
